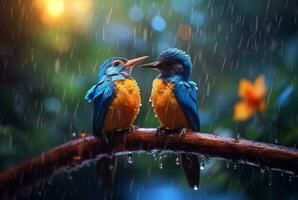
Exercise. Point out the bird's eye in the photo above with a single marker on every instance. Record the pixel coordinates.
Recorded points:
(117, 63)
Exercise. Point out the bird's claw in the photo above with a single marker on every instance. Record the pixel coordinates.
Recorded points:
(182, 132)
(132, 128)
(160, 131)
(104, 138)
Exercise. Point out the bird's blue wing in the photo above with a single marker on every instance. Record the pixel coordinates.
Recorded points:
(101, 95)
(185, 93)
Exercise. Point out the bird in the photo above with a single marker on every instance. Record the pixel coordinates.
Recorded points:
(116, 103)
(174, 101)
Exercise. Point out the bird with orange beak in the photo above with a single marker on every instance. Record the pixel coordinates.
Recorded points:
(116, 99)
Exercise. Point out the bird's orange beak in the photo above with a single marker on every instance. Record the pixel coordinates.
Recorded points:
(135, 61)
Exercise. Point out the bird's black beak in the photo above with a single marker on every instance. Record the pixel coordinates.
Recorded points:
(155, 65)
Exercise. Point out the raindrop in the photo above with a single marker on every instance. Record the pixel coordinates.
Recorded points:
(49, 182)
(228, 164)
(10, 141)
(160, 165)
(270, 178)
(195, 188)
(73, 134)
(129, 158)
(276, 141)
(177, 161)
(57, 65)
(69, 176)
(237, 137)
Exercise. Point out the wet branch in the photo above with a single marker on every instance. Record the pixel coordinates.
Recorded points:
(86, 149)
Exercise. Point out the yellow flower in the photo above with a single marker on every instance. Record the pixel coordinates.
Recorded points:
(252, 98)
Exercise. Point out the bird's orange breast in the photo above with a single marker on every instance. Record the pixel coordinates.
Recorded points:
(166, 106)
(124, 107)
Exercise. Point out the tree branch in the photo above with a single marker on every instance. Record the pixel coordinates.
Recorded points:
(88, 148)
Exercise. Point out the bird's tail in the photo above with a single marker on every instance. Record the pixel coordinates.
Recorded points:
(191, 168)
(106, 168)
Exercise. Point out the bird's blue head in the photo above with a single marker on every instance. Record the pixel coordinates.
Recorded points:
(118, 66)
(172, 62)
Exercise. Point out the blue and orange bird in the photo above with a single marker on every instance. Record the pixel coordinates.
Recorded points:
(175, 103)
(117, 100)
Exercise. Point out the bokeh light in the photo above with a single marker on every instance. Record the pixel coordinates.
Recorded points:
(53, 12)
(135, 13)
(185, 31)
(54, 8)
(158, 23)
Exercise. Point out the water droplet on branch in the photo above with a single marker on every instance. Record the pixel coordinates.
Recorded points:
(177, 161)
(129, 158)
(235, 166)
(195, 188)
(160, 162)
(228, 164)
(202, 167)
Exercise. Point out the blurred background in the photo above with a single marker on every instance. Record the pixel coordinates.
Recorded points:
(50, 51)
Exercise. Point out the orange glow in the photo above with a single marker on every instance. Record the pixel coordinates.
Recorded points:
(50, 10)
(83, 134)
(55, 8)
(63, 11)
(252, 98)
(184, 32)
(65, 17)
(76, 158)
(81, 6)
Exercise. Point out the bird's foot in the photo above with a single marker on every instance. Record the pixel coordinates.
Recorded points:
(132, 128)
(182, 132)
(104, 138)
(160, 130)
